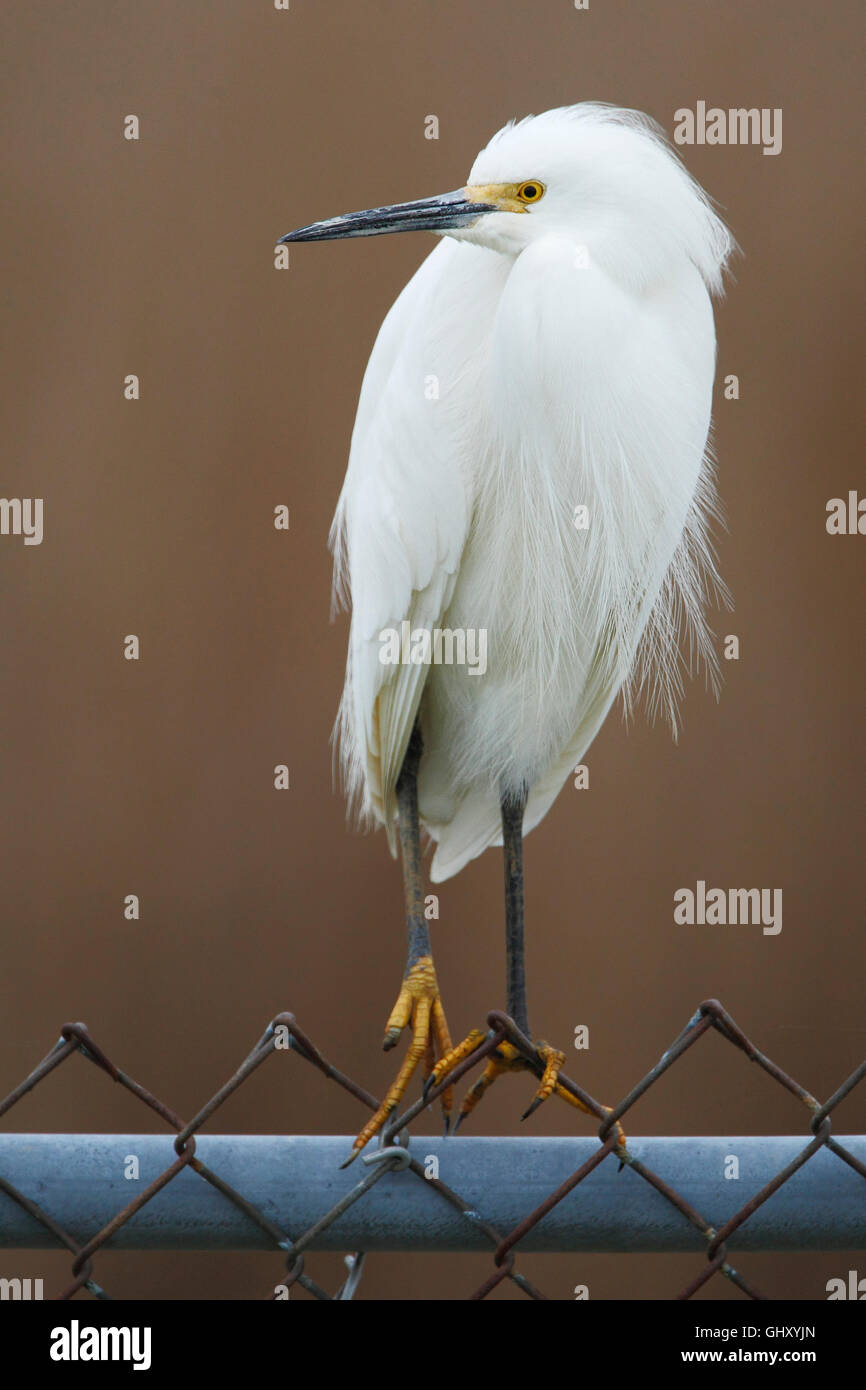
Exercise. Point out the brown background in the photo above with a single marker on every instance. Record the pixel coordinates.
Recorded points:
(155, 777)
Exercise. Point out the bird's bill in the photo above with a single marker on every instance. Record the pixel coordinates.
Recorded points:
(444, 213)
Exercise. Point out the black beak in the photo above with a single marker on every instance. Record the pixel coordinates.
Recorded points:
(442, 214)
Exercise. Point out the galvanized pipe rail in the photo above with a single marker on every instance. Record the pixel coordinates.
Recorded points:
(79, 1180)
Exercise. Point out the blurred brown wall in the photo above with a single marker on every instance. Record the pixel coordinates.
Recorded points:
(156, 777)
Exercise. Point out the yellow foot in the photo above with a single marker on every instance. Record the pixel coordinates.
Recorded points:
(419, 1006)
(507, 1058)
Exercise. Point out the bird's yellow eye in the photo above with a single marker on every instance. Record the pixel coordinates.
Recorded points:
(530, 192)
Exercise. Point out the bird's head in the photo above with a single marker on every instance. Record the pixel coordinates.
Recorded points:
(601, 176)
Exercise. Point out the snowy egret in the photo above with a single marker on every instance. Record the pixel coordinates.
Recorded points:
(529, 476)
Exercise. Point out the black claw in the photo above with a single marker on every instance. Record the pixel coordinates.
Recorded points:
(446, 1126)
(458, 1122)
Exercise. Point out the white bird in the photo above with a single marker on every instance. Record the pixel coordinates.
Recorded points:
(529, 468)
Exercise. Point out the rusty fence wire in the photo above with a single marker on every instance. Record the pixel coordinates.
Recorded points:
(284, 1031)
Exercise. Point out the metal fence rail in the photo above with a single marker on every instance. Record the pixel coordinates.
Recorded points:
(296, 1178)
(639, 1195)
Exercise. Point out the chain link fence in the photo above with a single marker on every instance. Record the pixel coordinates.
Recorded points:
(284, 1033)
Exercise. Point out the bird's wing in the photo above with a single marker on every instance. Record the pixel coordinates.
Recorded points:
(477, 824)
(398, 535)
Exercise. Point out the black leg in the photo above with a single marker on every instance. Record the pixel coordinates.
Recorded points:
(513, 807)
(508, 1056)
(418, 1005)
(410, 845)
